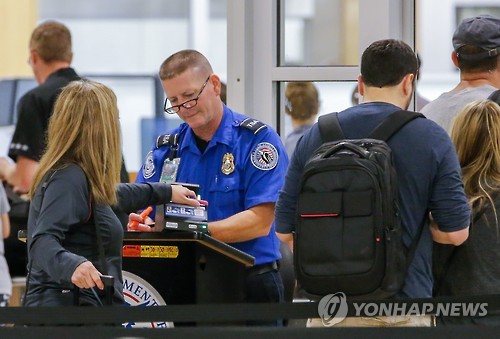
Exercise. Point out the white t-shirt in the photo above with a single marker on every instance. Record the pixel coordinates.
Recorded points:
(5, 280)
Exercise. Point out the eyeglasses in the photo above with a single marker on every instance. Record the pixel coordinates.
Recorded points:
(186, 104)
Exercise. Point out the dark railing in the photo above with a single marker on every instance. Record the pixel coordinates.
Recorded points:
(218, 321)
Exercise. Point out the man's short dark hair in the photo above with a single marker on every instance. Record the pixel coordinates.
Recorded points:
(387, 62)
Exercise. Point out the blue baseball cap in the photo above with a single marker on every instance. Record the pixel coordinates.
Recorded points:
(482, 31)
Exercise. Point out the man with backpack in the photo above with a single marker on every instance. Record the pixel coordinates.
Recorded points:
(348, 225)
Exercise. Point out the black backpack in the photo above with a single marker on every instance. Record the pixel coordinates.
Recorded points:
(348, 231)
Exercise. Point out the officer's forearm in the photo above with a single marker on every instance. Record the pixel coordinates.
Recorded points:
(249, 224)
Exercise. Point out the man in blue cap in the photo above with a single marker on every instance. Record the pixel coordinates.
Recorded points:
(476, 44)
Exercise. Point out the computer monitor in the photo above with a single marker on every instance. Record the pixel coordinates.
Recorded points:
(7, 100)
(23, 85)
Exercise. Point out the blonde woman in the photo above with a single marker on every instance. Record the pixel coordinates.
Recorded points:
(72, 194)
(474, 267)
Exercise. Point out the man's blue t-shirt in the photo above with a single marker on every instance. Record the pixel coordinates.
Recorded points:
(239, 169)
(429, 179)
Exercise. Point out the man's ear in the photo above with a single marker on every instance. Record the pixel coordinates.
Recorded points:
(215, 80)
(454, 58)
(408, 82)
(361, 85)
(34, 57)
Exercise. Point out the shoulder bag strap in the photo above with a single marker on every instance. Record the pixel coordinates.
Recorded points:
(392, 124)
(329, 127)
(96, 219)
(104, 265)
(386, 129)
(45, 183)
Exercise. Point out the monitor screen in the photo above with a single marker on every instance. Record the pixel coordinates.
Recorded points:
(23, 85)
(7, 97)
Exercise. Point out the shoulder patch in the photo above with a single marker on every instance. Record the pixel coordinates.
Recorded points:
(253, 124)
(167, 139)
(264, 156)
(148, 168)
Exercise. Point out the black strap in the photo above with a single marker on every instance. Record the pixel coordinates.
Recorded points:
(329, 127)
(330, 130)
(104, 265)
(386, 129)
(108, 287)
(392, 124)
(45, 183)
(174, 149)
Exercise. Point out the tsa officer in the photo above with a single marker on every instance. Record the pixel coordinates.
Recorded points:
(239, 163)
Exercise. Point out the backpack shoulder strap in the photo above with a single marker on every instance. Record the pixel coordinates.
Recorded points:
(392, 124)
(329, 127)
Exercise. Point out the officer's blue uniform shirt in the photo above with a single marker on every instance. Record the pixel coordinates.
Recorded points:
(241, 167)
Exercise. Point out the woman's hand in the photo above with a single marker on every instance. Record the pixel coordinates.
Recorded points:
(136, 223)
(184, 196)
(180, 195)
(87, 276)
